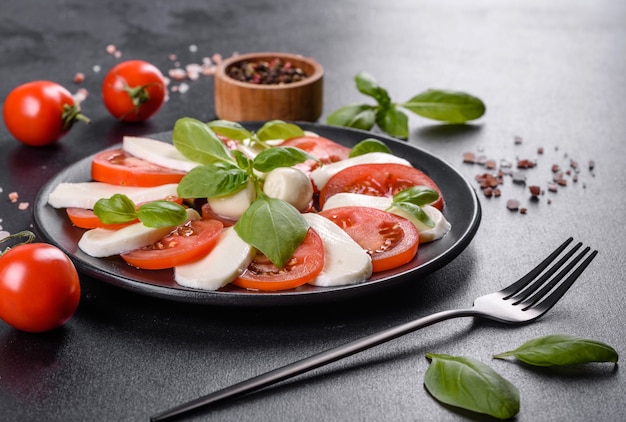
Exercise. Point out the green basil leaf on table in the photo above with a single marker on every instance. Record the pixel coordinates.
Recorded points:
(161, 214)
(446, 106)
(196, 141)
(357, 116)
(366, 84)
(369, 145)
(393, 121)
(275, 157)
(212, 181)
(274, 227)
(561, 350)
(469, 384)
(118, 209)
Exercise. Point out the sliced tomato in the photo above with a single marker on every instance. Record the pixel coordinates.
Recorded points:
(324, 149)
(390, 240)
(86, 219)
(187, 243)
(117, 167)
(305, 264)
(381, 179)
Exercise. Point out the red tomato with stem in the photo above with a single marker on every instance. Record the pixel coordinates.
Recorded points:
(383, 179)
(39, 113)
(390, 240)
(305, 264)
(39, 287)
(117, 167)
(187, 243)
(133, 90)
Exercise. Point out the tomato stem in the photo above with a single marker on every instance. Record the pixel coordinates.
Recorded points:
(71, 114)
(27, 234)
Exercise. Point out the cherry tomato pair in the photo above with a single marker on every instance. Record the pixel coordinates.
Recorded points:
(39, 287)
(39, 113)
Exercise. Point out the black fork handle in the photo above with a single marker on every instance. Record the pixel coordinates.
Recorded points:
(312, 362)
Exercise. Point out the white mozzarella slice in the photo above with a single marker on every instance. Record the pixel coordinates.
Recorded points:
(427, 234)
(226, 261)
(86, 194)
(290, 185)
(158, 152)
(321, 175)
(101, 243)
(233, 206)
(345, 261)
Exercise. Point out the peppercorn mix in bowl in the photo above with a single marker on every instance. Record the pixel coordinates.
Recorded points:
(269, 86)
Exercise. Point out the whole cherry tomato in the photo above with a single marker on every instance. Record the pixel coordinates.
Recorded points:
(39, 113)
(133, 90)
(39, 287)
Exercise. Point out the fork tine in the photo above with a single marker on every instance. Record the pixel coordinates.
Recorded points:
(546, 304)
(532, 289)
(525, 280)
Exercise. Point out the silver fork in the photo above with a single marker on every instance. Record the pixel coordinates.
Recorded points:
(523, 301)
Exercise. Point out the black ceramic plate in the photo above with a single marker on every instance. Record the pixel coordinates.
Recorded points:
(462, 210)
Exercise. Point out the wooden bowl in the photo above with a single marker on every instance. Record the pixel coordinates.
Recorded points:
(245, 101)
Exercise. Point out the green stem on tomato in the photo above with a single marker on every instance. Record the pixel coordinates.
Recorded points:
(30, 238)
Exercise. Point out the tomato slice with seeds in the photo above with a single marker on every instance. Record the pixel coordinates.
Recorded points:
(117, 167)
(187, 243)
(390, 240)
(326, 150)
(305, 264)
(380, 179)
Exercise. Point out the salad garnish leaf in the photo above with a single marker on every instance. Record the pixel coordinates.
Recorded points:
(369, 145)
(120, 209)
(443, 105)
(231, 130)
(196, 141)
(467, 383)
(274, 227)
(277, 129)
(213, 181)
(272, 158)
(413, 199)
(561, 350)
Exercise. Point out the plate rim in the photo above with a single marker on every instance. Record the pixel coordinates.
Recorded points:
(243, 298)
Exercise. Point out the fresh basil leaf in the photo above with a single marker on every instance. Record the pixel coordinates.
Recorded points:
(357, 116)
(212, 181)
(242, 161)
(469, 384)
(369, 145)
(161, 214)
(277, 129)
(117, 209)
(418, 195)
(393, 121)
(196, 141)
(446, 106)
(366, 84)
(231, 130)
(416, 211)
(272, 158)
(274, 227)
(561, 350)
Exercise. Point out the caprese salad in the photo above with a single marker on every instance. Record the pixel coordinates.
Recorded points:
(267, 210)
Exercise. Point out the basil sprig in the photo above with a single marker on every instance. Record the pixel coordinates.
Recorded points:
(561, 350)
(443, 105)
(411, 200)
(120, 209)
(467, 383)
(272, 226)
(368, 145)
